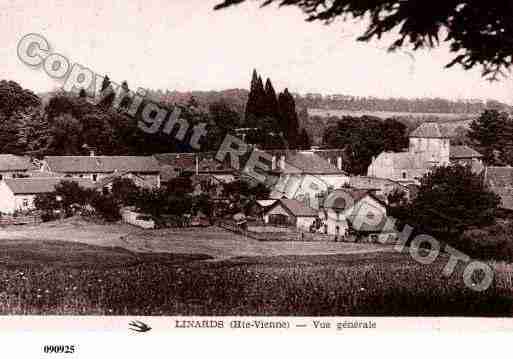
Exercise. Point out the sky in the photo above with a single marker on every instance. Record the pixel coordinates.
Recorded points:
(185, 45)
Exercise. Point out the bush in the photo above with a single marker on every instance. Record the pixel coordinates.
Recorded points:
(488, 243)
(106, 207)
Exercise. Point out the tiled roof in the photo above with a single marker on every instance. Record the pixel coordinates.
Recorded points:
(463, 152)
(297, 208)
(41, 185)
(176, 160)
(67, 164)
(167, 173)
(14, 163)
(187, 161)
(404, 160)
(336, 198)
(309, 162)
(432, 130)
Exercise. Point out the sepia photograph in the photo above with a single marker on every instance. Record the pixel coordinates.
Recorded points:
(262, 161)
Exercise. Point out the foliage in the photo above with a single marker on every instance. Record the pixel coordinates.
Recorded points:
(71, 193)
(364, 137)
(479, 33)
(272, 120)
(106, 206)
(125, 191)
(14, 98)
(450, 200)
(492, 133)
(46, 202)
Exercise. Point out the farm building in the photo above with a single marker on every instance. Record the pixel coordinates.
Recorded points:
(304, 175)
(429, 146)
(290, 212)
(358, 210)
(18, 194)
(96, 168)
(12, 166)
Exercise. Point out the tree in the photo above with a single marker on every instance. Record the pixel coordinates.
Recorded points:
(71, 193)
(395, 136)
(451, 199)
(303, 142)
(107, 96)
(362, 138)
(125, 191)
(271, 101)
(480, 33)
(14, 98)
(289, 122)
(106, 206)
(255, 107)
(46, 202)
(492, 133)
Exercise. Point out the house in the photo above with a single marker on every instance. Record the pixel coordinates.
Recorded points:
(380, 187)
(352, 210)
(12, 166)
(17, 194)
(429, 146)
(304, 175)
(500, 181)
(256, 208)
(173, 165)
(95, 168)
(466, 156)
(290, 212)
(105, 184)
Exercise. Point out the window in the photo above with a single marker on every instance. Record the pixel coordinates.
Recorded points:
(404, 174)
(95, 177)
(25, 202)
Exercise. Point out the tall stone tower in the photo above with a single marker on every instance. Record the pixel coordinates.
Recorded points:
(431, 141)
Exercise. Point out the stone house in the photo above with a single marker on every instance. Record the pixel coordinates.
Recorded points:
(96, 168)
(429, 146)
(290, 212)
(18, 194)
(348, 209)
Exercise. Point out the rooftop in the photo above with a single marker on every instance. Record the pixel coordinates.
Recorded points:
(432, 130)
(463, 152)
(10, 162)
(310, 163)
(102, 164)
(297, 208)
(41, 185)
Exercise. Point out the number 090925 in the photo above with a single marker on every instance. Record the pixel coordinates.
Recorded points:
(59, 349)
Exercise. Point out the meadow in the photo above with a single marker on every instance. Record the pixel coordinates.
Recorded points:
(78, 279)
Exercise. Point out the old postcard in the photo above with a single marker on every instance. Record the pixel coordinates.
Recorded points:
(226, 167)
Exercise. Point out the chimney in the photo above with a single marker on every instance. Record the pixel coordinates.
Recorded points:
(339, 163)
(282, 162)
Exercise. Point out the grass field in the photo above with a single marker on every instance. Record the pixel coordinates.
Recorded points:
(212, 241)
(56, 277)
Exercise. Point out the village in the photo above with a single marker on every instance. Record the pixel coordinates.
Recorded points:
(290, 209)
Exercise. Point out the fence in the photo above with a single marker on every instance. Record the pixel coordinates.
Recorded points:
(7, 220)
(281, 235)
